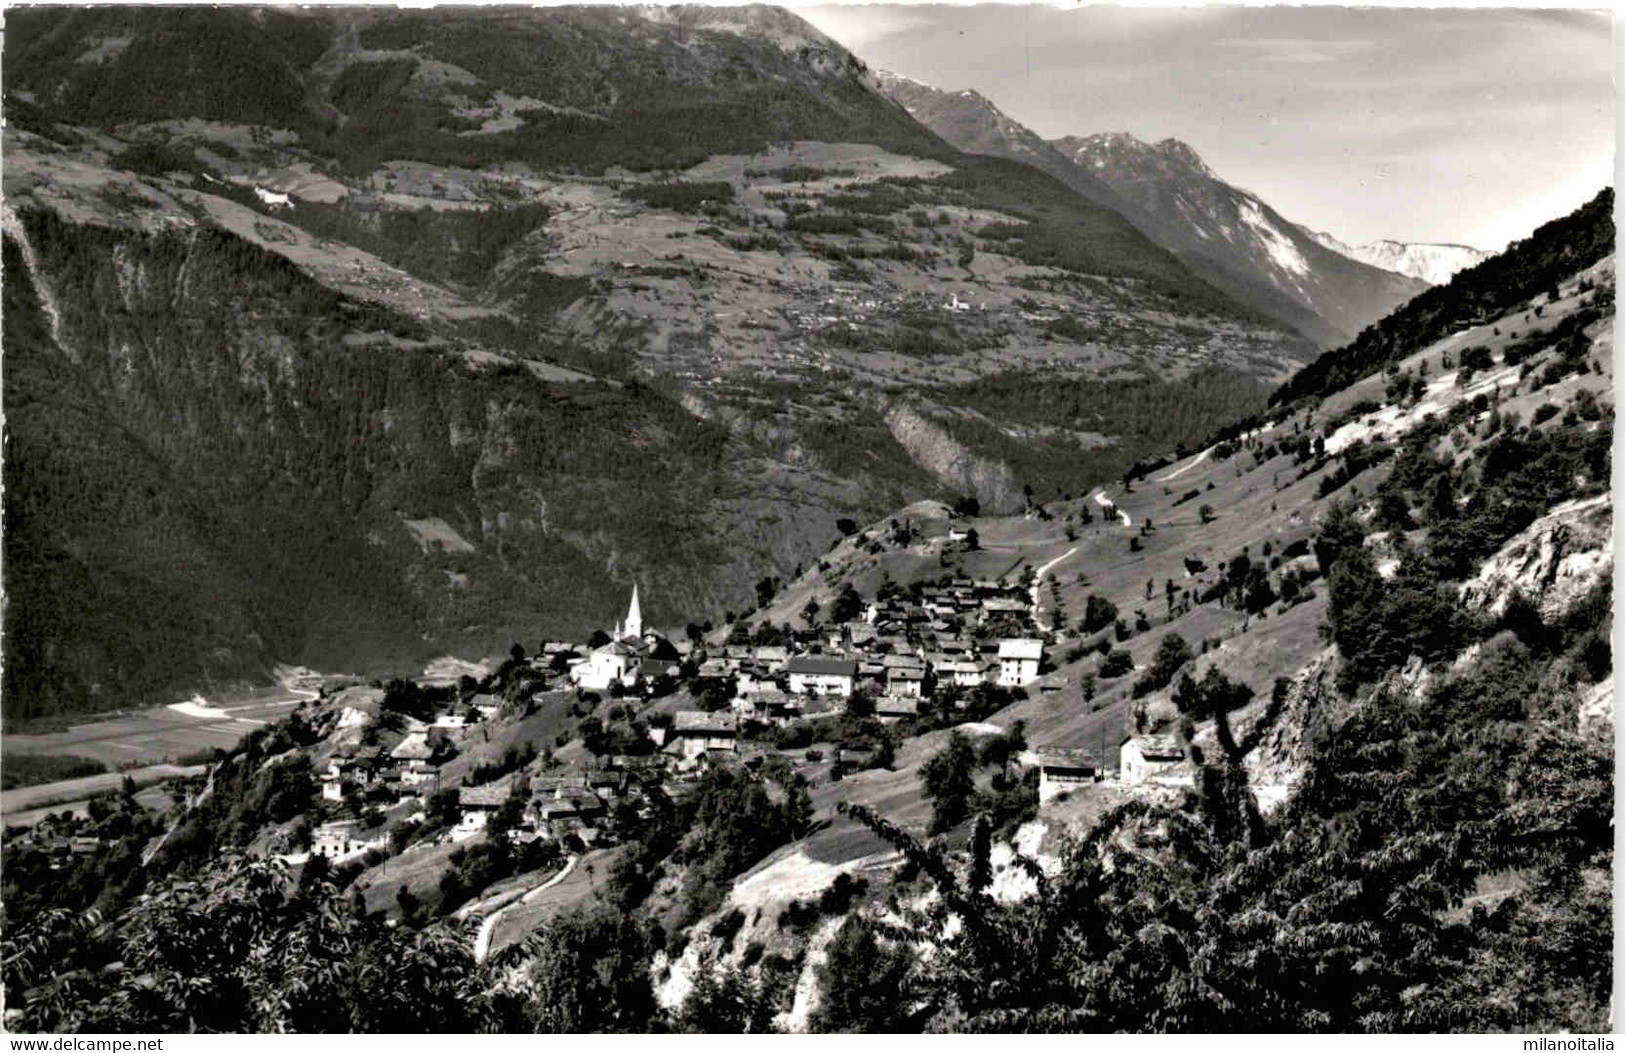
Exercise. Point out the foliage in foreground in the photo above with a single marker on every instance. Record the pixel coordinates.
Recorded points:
(1353, 909)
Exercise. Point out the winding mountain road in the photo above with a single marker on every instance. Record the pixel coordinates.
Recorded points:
(1038, 578)
(1176, 473)
(1105, 502)
(488, 927)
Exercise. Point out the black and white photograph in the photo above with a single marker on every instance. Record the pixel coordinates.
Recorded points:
(826, 519)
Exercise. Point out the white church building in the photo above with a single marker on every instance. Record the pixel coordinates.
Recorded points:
(618, 659)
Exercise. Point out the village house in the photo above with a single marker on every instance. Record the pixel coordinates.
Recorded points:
(568, 813)
(821, 675)
(416, 755)
(772, 707)
(1018, 661)
(334, 840)
(651, 670)
(1156, 759)
(694, 733)
(905, 682)
(1063, 770)
(419, 777)
(962, 673)
(475, 805)
(607, 785)
(771, 658)
(488, 706)
(389, 777)
(996, 606)
(889, 709)
(754, 679)
(853, 758)
(715, 668)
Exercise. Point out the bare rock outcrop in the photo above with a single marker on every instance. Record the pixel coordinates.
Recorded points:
(1285, 752)
(1597, 710)
(932, 448)
(1555, 561)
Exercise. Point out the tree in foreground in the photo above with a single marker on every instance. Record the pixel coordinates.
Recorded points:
(1347, 911)
(863, 982)
(949, 781)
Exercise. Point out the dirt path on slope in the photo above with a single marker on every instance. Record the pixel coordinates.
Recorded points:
(482, 942)
(1198, 459)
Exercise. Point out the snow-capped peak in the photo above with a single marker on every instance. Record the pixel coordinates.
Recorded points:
(1175, 150)
(1435, 264)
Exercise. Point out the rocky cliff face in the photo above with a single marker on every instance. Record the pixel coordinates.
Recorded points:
(216, 463)
(930, 445)
(1286, 750)
(1554, 562)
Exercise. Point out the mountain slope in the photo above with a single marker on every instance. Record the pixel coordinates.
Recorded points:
(1440, 775)
(970, 122)
(1239, 233)
(1526, 269)
(580, 86)
(419, 344)
(1434, 264)
(1170, 195)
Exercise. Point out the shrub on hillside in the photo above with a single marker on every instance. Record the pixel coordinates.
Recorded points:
(1116, 664)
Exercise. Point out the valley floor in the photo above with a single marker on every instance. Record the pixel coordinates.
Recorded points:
(152, 736)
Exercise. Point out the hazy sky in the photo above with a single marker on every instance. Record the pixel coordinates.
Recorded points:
(1468, 125)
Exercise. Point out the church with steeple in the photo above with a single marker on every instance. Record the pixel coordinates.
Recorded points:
(632, 628)
(619, 659)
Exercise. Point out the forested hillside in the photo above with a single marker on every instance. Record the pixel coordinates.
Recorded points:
(1526, 269)
(211, 470)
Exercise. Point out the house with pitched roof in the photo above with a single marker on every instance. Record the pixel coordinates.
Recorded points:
(695, 732)
(337, 840)
(476, 805)
(1018, 661)
(905, 682)
(1063, 770)
(821, 675)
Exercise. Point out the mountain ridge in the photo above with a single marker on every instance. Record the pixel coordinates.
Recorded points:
(1433, 262)
(1238, 229)
(1166, 191)
(576, 360)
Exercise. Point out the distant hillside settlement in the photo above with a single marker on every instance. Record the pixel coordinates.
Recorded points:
(899, 655)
